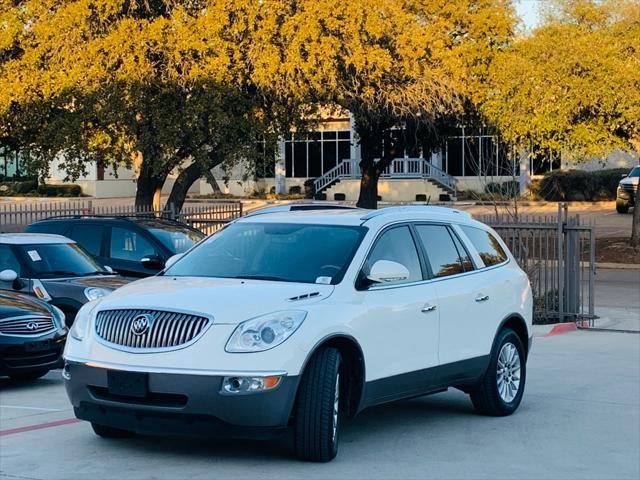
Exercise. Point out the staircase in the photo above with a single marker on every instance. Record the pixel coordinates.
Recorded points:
(404, 168)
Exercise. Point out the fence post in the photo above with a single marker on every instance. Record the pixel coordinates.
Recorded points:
(560, 260)
(572, 268)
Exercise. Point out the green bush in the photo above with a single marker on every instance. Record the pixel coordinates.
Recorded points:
(507, 189)
(25, 187)
(577, 185)
(67, 190)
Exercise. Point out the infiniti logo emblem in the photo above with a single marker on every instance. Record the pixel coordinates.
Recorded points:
(141, 324)
(32, 326)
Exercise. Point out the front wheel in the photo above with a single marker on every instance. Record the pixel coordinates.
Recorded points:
(317, 420)
(501, 389)
(622, 207)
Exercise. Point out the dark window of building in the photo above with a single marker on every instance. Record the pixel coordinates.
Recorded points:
(329, 155)
(288, 158)
(344, 150)
(300, 159)
(472, 165)
(454, 156)
(315, 159)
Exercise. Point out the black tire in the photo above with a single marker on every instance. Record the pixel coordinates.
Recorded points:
(26, 376)
(622, 207)
(314, 414)
(486, 397)
(110, 432)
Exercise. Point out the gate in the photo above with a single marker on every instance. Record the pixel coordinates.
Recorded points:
(558, 255)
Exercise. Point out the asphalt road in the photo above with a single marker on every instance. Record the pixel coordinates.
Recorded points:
(580, 418)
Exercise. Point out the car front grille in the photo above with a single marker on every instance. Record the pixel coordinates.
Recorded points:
(26, 326)
(628, 187)
(149, 329)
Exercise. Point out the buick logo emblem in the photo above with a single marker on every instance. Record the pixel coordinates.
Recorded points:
(32, 326)
(141, 324)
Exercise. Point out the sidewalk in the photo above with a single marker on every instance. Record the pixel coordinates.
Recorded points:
(617, 301)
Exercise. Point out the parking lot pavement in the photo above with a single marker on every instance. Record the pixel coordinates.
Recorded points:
(580, 418)
(618, 299)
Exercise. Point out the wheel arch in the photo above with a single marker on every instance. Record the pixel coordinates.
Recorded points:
(518, 324)
(353, 357)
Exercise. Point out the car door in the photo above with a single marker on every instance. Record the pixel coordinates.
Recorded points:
(126, 248)
(464, 317)
(91, 237)
(401, 324)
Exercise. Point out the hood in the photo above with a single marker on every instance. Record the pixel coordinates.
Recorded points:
(111, 282)
(229, 301)
(14, 304)
(630, 181)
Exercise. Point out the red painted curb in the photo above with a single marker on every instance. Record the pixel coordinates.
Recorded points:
(38, 426)
(562, 328)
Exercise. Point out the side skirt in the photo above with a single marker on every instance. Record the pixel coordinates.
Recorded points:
(424, 382)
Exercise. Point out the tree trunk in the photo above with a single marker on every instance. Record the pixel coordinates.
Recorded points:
(368, 186)
(635, 226)
(149, 188)
(185, 180)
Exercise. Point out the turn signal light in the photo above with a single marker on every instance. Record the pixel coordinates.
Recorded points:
(250, 384)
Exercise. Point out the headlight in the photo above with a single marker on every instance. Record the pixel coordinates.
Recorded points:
(81, 323)
(266, 332)
(59, 315)
(94, 293)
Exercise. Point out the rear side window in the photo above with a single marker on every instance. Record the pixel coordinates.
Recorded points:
(487, 245)
(443, 255)
(88, 236)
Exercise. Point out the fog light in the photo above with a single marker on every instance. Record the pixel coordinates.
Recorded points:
(250, 384)
(66, 372)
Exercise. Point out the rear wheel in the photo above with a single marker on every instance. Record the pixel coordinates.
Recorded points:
(501, 389)
(318, 415)
(29, 375)
(110, 432)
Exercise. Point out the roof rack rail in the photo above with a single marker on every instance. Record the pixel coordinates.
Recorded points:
(129, 217)
(416, 209)
(298, 207)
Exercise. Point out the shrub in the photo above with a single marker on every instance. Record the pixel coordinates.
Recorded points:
(296, 190)
(66, 190)
(17, 188)
(577, 185)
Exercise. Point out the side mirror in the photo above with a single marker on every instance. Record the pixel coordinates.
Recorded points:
(171, 260)
(108, 269)
(152, 262)
(385, 271)
(624, 175)
(8, 276)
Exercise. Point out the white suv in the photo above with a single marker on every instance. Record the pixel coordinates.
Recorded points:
(303, 319)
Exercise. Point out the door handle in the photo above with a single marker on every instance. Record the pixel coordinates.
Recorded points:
(428, 308)
(482, 298)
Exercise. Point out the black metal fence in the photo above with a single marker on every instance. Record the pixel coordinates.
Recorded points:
(558, 254)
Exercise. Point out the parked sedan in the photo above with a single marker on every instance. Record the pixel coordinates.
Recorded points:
(54, 269)
(32, 336)
(133, 247)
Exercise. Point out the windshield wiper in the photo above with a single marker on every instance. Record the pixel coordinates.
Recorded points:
(61, 272)
(262, 277)
(97, 272)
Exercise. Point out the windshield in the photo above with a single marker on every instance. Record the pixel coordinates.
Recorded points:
(59, 260)
(280, 252)
(177, 239)
(635, 172)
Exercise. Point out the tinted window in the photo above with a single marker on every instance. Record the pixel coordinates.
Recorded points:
(462, 251)
(635, 172)
(129, 245)
(274, 251)
(176, 239)
(58, 260)
(89, 236)
(487, 246)
(8, 260)
(441, 250)
(396, 245)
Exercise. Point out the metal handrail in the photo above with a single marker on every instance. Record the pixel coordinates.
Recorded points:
(398, 168)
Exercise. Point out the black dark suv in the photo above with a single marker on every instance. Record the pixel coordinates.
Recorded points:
(132, 246)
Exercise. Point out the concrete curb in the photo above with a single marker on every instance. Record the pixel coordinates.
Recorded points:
(554, 329)
(618, 266)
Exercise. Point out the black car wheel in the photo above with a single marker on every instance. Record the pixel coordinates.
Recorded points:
(317, 422)
(622, 207)
(501, 389)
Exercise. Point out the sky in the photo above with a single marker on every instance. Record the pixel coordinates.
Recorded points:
(528, 11)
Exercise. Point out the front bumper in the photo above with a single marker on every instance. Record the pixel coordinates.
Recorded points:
(626, 196)
(18, 355)
(181, 404)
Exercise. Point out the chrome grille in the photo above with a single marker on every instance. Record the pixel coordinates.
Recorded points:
(26, 326)
(165, 329)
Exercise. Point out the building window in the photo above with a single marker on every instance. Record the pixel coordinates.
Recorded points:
(11, 165)
(314, 154)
